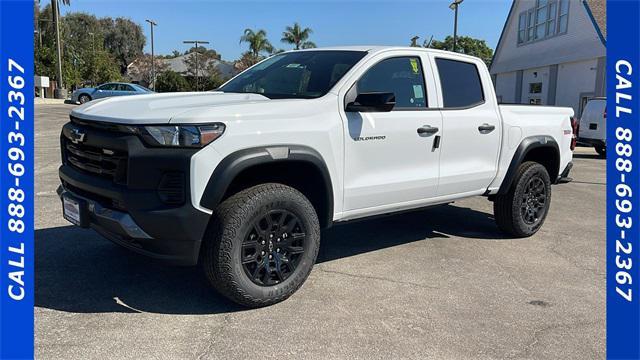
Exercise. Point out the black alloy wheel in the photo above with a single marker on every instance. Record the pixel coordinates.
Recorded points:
(534, 199)
(272, 249)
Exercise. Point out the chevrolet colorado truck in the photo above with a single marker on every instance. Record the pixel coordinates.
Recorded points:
(242, 179)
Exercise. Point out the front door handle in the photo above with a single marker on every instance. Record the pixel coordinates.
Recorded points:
(427, 129)
(486, 128)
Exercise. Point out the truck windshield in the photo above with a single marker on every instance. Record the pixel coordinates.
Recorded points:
(300, 74)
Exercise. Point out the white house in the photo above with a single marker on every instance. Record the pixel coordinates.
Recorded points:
(552, 52)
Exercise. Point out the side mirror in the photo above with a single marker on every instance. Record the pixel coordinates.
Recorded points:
(372, 102)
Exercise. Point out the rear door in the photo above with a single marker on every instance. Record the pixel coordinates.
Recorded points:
(592, 122)
(471, 126)
(388, 164)
(123, 89)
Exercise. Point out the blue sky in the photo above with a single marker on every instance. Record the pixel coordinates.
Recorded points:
(350, 22)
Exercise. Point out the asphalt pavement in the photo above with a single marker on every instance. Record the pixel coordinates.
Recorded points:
(441, 283)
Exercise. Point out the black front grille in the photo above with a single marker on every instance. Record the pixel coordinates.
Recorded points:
(107, 163)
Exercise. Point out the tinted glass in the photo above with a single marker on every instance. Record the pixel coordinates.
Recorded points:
(460, 82)
(141, 88)
(124, 87)
(107, 87)
(301, 74)
(401, 76)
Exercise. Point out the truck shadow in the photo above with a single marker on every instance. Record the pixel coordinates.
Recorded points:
(79, 271)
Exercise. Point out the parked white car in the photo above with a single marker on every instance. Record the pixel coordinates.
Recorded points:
(593, 125)
(241, 180)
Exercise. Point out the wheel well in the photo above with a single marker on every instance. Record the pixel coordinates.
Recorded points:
(548, 157)
(84, 94)
(301, 175)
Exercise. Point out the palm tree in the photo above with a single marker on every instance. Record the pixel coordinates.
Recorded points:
(257, 41)
(295, 35)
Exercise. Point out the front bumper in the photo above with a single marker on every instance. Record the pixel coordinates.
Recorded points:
(129, 209)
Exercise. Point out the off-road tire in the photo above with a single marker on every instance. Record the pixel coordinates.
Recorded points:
(507, 208)
(601, 150)
(233, 220)
(84, 98)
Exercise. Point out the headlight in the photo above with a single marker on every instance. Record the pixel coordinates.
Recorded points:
(181, 135)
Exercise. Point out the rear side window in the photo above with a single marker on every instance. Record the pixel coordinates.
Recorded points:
(460, 82)
(401, 76)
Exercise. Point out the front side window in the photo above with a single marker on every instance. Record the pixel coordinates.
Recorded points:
(401, 76)
(298, 74)
(460, 82)
(107, 87)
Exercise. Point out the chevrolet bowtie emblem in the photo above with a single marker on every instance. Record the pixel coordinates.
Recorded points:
(77, 136)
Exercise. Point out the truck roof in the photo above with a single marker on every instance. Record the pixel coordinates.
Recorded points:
(378, 48)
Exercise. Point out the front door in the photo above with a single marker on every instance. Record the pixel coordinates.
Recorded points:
(389, 163)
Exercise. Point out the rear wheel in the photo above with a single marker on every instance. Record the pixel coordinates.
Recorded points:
(601, 150)
(84, 98)
(522, 210)
(262, 245)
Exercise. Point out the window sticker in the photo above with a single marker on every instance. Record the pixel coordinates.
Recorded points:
(414, 65)
(417, 91)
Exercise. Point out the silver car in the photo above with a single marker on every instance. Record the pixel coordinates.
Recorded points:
(84, 95)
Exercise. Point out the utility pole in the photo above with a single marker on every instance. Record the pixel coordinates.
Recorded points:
(60, 92)
(196, 42)
(153, 62)
(454, 6)
(93, 58)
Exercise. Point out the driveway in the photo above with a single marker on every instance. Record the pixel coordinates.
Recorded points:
(441, 283)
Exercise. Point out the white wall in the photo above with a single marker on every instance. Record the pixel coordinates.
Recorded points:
(580, 42)
(573, 79)
(506, 87)
(535, 75)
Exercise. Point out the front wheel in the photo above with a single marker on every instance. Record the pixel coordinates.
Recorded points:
(84, 98)
(261, 245)
(601, 150)
(522, 210)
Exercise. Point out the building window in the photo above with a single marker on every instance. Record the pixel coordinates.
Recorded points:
(535, 88)
(522, 28)
(551, 18)
(546, 19)
(563, 16)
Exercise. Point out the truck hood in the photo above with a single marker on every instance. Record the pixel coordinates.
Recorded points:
(157, 108)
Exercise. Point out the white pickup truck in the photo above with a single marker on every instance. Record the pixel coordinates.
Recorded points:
(242, 179)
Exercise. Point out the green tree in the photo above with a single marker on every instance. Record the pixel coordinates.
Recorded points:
(257, 41)
(171, 81)
(466, 45)
(124, 39)
(247, 60)
(298, 37)
(207, 60)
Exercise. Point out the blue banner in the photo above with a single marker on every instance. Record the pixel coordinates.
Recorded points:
(16, 179)
(623, 182)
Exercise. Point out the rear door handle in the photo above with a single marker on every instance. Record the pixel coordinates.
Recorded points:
(486, 128)
(427, 129)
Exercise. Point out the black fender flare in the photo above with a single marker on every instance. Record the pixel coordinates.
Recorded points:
(526, 145)
(233, 164)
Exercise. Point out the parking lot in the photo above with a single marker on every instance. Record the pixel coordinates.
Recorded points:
(441, 283)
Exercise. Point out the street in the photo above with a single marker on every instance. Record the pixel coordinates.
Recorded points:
(441, 283)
